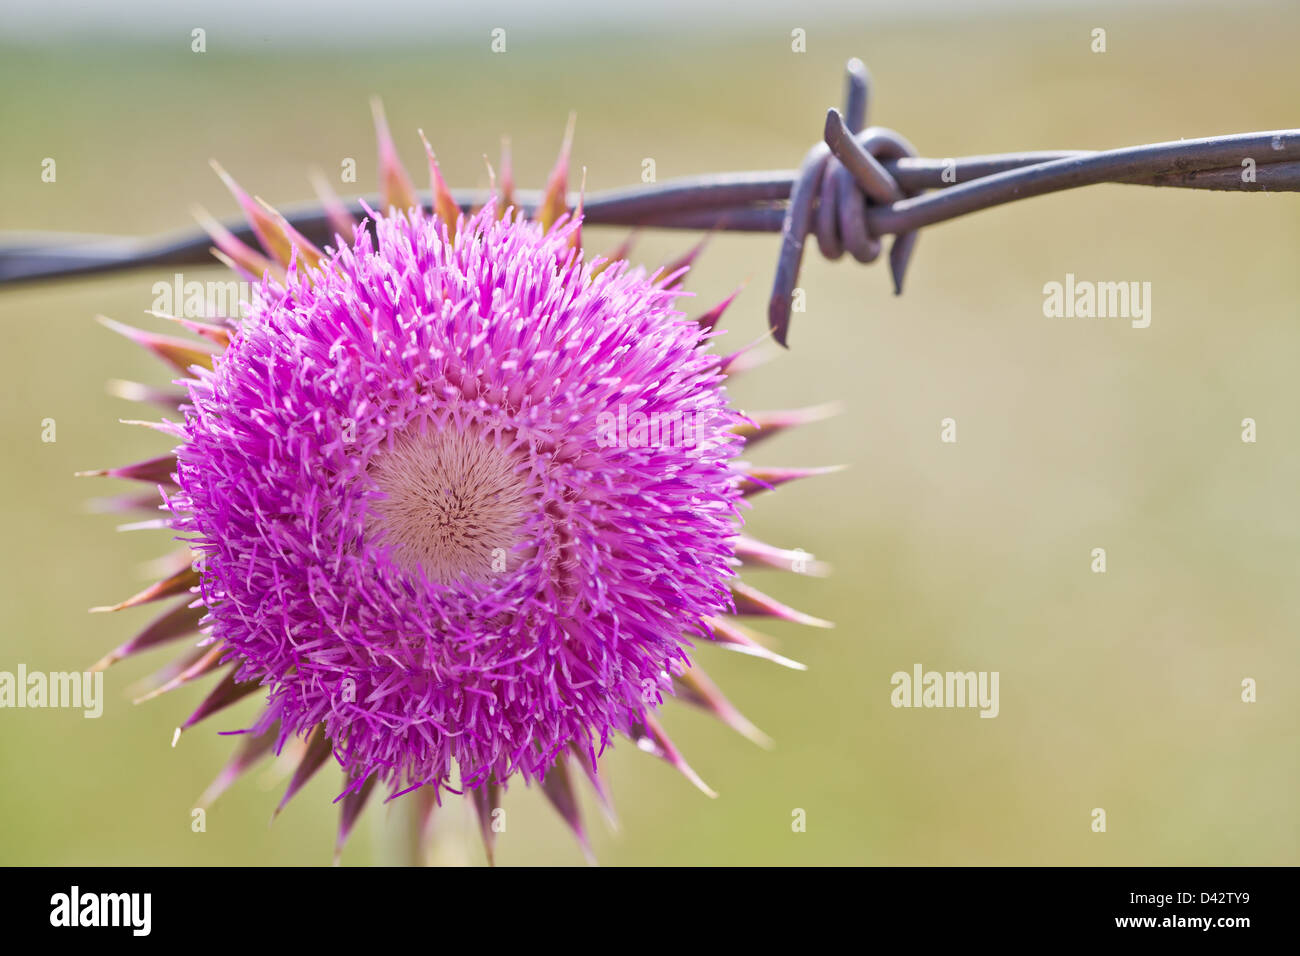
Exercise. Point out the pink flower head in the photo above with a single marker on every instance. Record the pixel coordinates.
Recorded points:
(458, 500)
(410, 528)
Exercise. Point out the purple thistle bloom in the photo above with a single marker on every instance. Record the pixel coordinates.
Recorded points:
(395, 477)
(460, 500)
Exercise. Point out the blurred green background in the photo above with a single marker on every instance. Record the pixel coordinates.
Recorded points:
(1119, 691)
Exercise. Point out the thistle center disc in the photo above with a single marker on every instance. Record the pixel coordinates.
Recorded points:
(453, 502)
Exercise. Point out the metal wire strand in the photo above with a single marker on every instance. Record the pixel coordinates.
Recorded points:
(857, 186)
(855, 181)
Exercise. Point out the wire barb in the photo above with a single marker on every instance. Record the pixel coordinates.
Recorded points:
(855, 187)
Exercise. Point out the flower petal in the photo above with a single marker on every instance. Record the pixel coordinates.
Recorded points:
(301, 249)
(253, 748)
(765, 479)
(487, 799)
(219, 335)
(751, 601)
(180, 354)
(211, 658)
(507, 180)
(229, 691)
(650, 737)
(353, 802)
(341, 221)
(155, 471)
(175, 623)
(396, 188)
(139, 392)
(753, 552)
(444, 205)
(269, 233)
(239, 255)
(762, 425)
(313, 758)
(557, 785)
(709, 320)
(554, 203)
(587, 761)
(694, 687)
(731, 634)
(674, 273)
(182, 582)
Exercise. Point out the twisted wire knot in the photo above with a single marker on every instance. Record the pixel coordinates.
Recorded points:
(837, 181)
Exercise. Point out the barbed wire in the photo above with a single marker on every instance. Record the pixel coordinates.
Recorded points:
(860, 184)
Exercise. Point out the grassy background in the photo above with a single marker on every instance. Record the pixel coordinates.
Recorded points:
(1118, 691)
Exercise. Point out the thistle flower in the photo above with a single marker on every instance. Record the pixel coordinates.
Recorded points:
(457, 500)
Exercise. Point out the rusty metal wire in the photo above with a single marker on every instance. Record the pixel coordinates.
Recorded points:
(860, 184)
